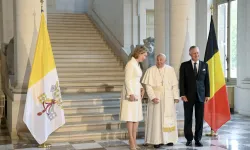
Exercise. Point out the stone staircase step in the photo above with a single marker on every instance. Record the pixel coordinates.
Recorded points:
(91, 96)
(89, 70)
(84, 135)
(70, 25)
(93, 135)
(74, 36)
(82, 99)
(101, 60)
(61, 37)
(74, 27)
(87, 47)
(87, 56)
(94, 126)
(90, 78)
(79, 52)
(87, 89)
(106, 84)
(81, 20)
(92, 102)
(65, 18)
(88, 65)
(78, 41)
(91, 74)
(78, 30)
(85, 117)
(94, 48)
(91, 109)
(69, 22)
(66, 15)
(79, 45)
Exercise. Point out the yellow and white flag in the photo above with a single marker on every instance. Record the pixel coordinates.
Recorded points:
(43, 112)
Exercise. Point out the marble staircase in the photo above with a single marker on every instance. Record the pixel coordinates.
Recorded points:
(91, 77)
(85, 63)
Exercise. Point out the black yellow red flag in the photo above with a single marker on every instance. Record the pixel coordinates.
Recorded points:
(217, 110)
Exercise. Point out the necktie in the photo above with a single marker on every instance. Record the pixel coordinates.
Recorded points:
(195, 70)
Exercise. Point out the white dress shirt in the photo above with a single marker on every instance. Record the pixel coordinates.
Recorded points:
(197, 65)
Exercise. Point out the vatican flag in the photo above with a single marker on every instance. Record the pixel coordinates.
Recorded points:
(43, 112)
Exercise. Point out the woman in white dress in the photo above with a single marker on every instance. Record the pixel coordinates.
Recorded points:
(131, 104)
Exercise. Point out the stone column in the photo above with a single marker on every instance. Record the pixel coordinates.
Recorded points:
(7, 28)
(170, 28)
(170, 31)
(7, 33)
(203, 18)
(182, 12)
(162, 26)
(242, 90)
(27, 14)
(182, 15)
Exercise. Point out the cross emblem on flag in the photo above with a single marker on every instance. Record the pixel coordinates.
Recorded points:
(48, 103)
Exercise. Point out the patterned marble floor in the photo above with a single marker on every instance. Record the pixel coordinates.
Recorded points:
(235, 135)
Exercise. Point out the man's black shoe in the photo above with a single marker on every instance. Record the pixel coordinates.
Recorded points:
(189, 143)
(198, 144)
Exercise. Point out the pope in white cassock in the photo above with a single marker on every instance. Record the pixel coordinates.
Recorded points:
(163, 92)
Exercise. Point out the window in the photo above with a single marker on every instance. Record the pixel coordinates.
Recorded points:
(149, 23)
(227, 37)
(233, 39)
(222, 34)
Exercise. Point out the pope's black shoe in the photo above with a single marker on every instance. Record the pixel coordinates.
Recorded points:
(170, 144)
(157, 146)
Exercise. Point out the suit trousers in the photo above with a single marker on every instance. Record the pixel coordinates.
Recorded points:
(199, 115)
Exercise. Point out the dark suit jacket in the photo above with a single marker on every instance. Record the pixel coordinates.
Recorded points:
(191, 86)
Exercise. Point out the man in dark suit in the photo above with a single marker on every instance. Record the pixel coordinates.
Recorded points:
(194, 91)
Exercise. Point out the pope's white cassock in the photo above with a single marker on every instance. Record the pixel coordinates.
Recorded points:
(161, 123)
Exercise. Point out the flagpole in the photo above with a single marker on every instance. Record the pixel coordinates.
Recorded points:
(212, 9)
(41, 1)
(212, 133)
(44, 145)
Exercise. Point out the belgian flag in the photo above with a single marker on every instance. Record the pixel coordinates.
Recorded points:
(217, 110)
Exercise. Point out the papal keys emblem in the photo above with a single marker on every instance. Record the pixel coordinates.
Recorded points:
(49, 103)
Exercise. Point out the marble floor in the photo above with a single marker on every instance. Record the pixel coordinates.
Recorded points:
(234, 135)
